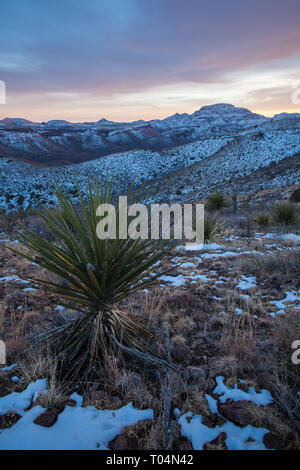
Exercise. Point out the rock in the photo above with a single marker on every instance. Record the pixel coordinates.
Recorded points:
(123, 442)
(180, 352)
(194, 373)
(213, 420)
(71, 402)
(235, 411)
(46, 419)
(273, 441)
(173, 272)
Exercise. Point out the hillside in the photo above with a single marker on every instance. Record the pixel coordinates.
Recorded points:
(186, 172)
(58, 142)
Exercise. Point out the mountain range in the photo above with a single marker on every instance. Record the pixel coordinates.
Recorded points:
(60, 143)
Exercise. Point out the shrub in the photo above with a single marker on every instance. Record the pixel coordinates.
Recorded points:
(214, 228)
(262, 219)
(286, 263)
(295, 196)
(216, 201)
(285, 213)
(93, 276)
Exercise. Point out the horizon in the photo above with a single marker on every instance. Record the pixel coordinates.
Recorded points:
(128, 60)
(127, 121)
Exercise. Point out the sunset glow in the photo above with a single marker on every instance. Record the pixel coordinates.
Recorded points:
(132, 59)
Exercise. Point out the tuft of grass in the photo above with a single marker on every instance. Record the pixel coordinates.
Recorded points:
(285, 262)
(214, 228)
(216, 201)
(262, 219)
(285, 214)
(93, 276)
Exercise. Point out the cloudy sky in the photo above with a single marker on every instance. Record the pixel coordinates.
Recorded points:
(140, 59)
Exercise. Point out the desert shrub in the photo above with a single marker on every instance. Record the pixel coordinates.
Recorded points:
(8, 221)
(295, 196)
(216, 201)
(214, 228)
(93, 275)
(262, 219)
(284, 262)
(285, 213)
(284, 331)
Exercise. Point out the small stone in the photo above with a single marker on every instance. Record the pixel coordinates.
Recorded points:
(46, 419)
(235, 411)
(213, 420)
(71, 402)
(181, 352)
(193, 373)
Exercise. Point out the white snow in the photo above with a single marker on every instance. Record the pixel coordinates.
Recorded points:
(202, 247)
(19, 401)
(76, 428)
(238, 311)
(8, 368)
(282, 305)
(176, 281)
(247, 282)
(263, 397)
(199, 434)
(291, 236)
(181, 279)
(192, 426)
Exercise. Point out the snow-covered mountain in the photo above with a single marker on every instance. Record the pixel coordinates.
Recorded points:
(261, 157)
(60, 142)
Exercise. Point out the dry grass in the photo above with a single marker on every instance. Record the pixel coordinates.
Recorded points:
(285, 263)
(219, 340)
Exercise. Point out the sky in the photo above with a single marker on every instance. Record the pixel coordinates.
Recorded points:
(124, 60)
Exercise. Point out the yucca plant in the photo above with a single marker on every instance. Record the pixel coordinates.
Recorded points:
(93, 276)
(285, 213)
(262, 219)
(216, 201)
(214, 228)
